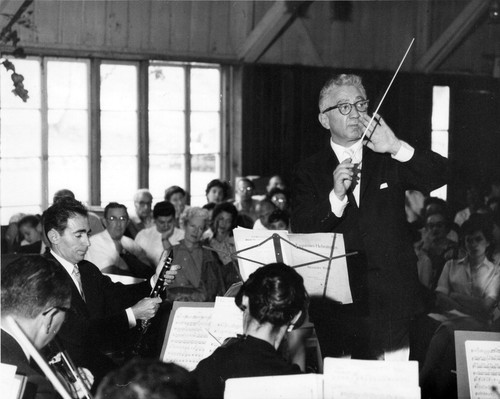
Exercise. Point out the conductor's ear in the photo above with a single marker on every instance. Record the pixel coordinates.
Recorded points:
(323, 119)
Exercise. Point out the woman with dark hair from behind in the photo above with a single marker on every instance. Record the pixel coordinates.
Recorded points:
(148, 379)
(273, 301)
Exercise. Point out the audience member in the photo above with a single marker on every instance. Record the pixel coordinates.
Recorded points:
(279, 220)
(264, 210)
(273, 300)
(280, 198)
(275, 181)
(36, 293)
(466, 295)
(142, 219)
(200, 276)
(102, 312)
(13, 238)
(177, 196)
(495, 218)
(224, 219)
(475, 204)
(112, 252)
(148, 379)
(217, 191)
(96, 225)
(244, 202)
(163, 235)
(434, 249)
(31, 229)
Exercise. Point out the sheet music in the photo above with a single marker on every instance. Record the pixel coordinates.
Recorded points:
(358, 378)
(314, 275)
(10, 385)
(303, 386)
(188, 335)
(246, 238)
(226, 321)
(483, 367)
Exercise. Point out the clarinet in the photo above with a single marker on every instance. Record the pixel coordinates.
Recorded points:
(157, 289)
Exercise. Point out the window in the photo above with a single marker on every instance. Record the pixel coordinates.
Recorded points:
(156, 132)
(440, 126)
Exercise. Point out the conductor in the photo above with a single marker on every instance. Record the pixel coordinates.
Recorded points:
(358, 189)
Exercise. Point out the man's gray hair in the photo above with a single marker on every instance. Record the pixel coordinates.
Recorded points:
(337, 81)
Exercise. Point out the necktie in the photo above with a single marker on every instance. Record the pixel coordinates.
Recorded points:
(76, 275)
(354, 188)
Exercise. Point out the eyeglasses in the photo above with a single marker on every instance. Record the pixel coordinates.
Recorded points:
(436, 225)
(118, 219)
(474, 239)
(60, 308)
(346, 108)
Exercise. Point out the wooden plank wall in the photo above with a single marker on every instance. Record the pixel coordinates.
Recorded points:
(375, 37)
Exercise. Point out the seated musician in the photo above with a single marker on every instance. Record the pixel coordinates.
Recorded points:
(36, 293)
(273, 300)
(200, 278)
(148, 379)
(112, 252)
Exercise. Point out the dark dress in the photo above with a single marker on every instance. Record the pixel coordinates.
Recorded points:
(245, 356)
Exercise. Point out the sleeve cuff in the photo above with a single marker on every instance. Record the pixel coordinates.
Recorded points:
(131, 318)
(337, 205)
(405, 153)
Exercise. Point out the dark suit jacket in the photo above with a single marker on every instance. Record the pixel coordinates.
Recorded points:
(385, 272)
(99, 319)
(37, 385)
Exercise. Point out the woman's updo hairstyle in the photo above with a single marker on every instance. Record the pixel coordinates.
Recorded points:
(276, 293)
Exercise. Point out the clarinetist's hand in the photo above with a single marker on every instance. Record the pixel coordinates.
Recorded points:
(87, 379)
(169, 275)
(146, 308)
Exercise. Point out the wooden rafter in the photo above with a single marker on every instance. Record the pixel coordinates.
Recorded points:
(267, 30)
(449, 39)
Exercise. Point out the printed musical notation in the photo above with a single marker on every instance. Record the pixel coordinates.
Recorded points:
(188, 335)
(226, 322)
(483, 366)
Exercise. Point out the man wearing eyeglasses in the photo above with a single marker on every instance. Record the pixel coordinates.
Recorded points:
(36, 293)
(102, 312)
(113, 252)
(357, 188)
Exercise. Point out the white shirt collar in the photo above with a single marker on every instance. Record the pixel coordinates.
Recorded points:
(340, 150)
(66, 264)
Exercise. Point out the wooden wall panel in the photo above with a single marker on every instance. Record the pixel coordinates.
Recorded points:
(71, 23)
(94, 24)
(46, 18)
(160, 25)
(139, 25)
(180, 34)
(117, 24)
(200, 27)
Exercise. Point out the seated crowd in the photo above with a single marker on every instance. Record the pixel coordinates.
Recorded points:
(458, 268)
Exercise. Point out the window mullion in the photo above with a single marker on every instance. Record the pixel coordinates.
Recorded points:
(187, 136)
(95, 133)
(143, 118)
(45, 135)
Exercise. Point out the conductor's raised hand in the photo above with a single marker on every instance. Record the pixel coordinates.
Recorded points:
(343, 176)
(380, 137)
(146, 308)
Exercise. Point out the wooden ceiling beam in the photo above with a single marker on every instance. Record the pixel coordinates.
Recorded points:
(450, 38)
(267, 30)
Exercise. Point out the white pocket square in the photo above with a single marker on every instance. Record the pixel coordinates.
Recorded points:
(383, 185)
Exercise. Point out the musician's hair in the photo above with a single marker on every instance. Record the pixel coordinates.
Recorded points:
(148, 379)
(114, 205)
(32, 284)
(276, 294)
(481, 223)
(337, 81)
(56, 216)
(193, 212)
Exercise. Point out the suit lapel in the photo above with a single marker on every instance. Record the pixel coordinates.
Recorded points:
(365, 175)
